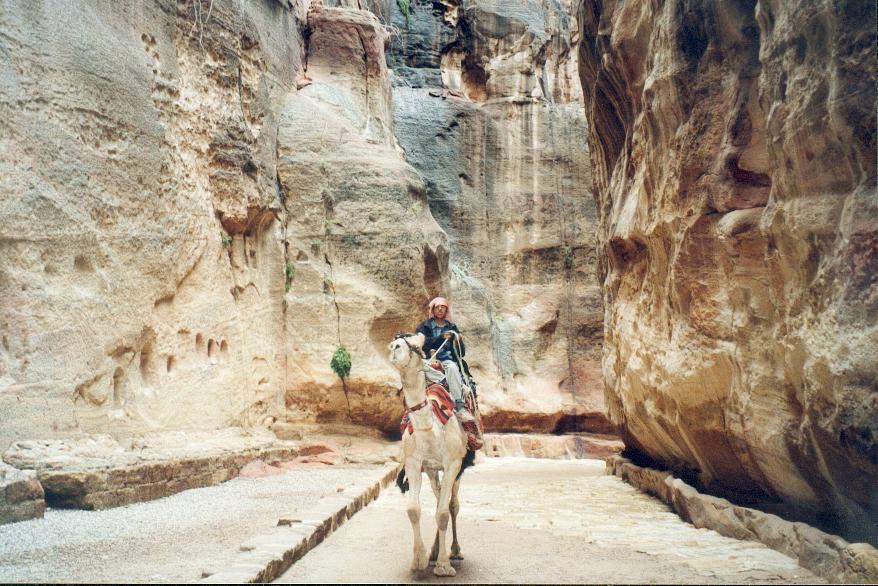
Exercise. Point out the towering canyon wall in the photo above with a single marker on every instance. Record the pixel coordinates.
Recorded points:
(734, 158)
(363, 243)
(202, 199)
(140, 265)
(193, 217)
(488, 109)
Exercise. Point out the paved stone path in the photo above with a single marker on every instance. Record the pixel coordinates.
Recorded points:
(545, 521)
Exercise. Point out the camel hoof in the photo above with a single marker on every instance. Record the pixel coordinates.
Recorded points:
(420, 564)
(444, 570)
(456, 557)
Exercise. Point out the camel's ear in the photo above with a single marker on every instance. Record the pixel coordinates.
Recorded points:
(420, 340)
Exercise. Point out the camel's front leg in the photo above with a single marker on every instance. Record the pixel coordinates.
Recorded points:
(449, 477)
(433, 475)
(454, 507)
(413, 473)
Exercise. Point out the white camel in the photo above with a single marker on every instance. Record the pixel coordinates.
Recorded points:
(431, 447)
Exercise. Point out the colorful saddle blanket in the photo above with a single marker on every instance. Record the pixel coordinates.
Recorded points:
(441, 403)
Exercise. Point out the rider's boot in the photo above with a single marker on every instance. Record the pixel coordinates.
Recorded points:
(474, 440)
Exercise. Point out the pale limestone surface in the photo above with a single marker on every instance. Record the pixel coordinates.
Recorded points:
(735, 167)
(544, 521)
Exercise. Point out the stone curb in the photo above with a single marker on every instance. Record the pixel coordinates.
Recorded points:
(828, 556)
(265, 557)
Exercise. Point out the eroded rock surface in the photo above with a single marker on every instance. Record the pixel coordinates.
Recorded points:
(207, 198)
(555, 447)
(99, 472)
(488, 109)
(200, 210)
(734, 156)
(362, 244)
(141, 263)
(826, 555)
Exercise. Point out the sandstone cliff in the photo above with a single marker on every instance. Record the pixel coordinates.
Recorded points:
(488, 109)
(141, 270)
(194, 217)
(734, 160)
(203, 199)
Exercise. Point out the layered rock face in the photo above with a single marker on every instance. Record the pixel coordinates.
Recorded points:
(141, 272)
(734, 157)
(194, 217)
(363, 246)
(488, 109)
(202, 200)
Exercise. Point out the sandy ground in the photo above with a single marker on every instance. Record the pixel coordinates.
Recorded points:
(545, 521)
(167, 540)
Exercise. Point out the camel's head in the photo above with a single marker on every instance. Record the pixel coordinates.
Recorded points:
(403, 347)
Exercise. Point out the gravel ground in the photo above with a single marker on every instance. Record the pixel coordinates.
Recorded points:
(167, 540)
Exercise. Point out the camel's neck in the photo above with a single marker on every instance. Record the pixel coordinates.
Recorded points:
(413, 380)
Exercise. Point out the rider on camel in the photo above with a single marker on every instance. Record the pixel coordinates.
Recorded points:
(442, 335)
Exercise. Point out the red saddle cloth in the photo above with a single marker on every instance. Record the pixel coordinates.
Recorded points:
(441, 403)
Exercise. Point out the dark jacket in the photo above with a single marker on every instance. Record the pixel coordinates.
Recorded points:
(434, 342)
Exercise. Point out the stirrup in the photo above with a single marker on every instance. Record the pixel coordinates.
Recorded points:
(473, 436)
(463, 414)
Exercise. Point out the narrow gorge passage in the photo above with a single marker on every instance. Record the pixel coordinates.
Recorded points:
(543, 521)
(656, 222)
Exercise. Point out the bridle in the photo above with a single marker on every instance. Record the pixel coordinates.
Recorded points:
(412, 350)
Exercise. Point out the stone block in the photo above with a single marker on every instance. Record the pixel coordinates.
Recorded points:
(21, 495)
(29, 489)
(860, 563)
(300, 531)
(22, 511)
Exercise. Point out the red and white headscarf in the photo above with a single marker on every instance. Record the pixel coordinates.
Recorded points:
(437, 302)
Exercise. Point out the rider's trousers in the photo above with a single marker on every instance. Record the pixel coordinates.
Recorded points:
(455, 381)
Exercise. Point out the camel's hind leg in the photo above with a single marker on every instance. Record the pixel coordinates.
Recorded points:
(449, 477)
(454, 507)
(419, 554)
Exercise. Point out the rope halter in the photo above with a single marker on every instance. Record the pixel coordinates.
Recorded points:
(412, 349)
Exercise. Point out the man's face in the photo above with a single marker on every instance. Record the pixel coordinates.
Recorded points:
(440, 311)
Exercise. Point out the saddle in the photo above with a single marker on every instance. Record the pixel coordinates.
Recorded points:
(442, 403)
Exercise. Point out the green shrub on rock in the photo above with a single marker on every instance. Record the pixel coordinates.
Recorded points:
(341, 362)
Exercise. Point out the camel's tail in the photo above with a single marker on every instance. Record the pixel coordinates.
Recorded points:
(469, 460)
(401, 481)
